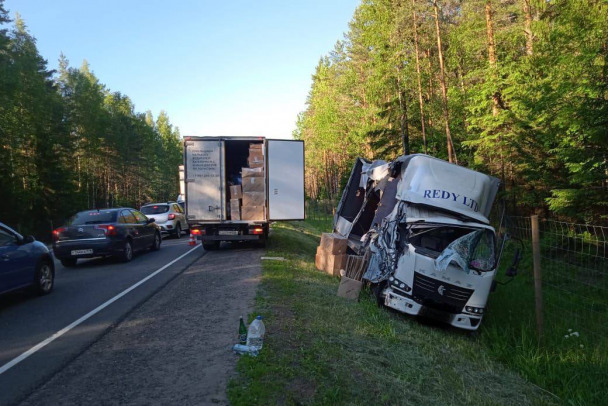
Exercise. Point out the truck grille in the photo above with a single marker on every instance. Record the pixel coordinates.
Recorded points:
(440, 295)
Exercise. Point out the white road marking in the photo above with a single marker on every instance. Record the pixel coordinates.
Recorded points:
(64, 330)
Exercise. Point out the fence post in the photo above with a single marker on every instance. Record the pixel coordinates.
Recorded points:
(538, 292)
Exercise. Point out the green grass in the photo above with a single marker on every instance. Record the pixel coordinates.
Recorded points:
(574, 368)
(322, 349)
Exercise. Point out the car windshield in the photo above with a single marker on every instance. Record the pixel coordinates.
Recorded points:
(92, 217)
(155, 209)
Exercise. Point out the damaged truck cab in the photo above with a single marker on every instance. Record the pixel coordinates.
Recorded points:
(425, 223)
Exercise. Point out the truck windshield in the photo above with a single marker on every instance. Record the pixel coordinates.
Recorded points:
(432, 240)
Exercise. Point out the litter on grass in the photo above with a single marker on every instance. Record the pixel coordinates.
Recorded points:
(272, 259)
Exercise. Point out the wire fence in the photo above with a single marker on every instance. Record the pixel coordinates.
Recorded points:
(573, 261)
(573, 270)
(321, 212)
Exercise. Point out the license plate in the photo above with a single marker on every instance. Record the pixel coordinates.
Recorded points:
(228, 232)
(81, 252)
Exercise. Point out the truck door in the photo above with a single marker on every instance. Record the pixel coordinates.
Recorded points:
(204, 180)
(285, 179)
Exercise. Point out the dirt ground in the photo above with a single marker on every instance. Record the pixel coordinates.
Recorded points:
(173, 349)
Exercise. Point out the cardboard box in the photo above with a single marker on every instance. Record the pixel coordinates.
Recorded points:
(254, 185)
(256, 158)
(320, 262)
(252, 212)
(235, 204)
(257, 145)
(349, 288)
(255, 163)
(235, 214)
(236, 192)
(252, 173)
(333, 243)
(254, 199)
(330, 263)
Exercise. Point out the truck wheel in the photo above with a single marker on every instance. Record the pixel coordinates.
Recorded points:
(262, 242)
(210, 246)
(69, 262)
(376, 290)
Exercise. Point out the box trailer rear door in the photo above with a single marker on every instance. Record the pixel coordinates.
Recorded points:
(204, 180)
(285, 179)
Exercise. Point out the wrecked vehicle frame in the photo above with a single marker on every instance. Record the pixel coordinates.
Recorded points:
(425, 224)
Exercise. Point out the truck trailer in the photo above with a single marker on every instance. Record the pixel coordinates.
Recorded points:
(235, 186)
(425, 222)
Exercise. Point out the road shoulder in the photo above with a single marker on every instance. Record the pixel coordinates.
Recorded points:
(173, 349)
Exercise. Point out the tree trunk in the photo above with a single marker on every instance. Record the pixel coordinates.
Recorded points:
(528, 27)
(492, 56)
(403, 122)
(420, 102)
(444, 90)
(496, 96)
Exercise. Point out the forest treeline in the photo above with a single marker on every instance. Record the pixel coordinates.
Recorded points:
(68, 143)
(514, 88)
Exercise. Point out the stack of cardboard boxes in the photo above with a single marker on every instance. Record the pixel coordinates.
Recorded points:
(236, 194)
(331, 254)
(252, 190)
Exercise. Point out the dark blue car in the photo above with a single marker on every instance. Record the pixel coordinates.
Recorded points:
(24, 262)
(114, 232)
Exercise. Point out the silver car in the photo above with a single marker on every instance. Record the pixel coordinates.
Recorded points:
(168, 216)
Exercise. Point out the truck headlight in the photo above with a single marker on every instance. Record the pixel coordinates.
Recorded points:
(474, 310)
(398, 284)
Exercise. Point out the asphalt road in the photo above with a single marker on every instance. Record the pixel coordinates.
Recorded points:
(27, 320)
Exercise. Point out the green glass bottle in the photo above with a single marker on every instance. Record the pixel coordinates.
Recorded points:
(242, 332)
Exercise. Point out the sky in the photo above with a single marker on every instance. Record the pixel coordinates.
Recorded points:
(218, 68)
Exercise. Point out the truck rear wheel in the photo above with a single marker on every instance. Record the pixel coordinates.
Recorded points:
(212, 245)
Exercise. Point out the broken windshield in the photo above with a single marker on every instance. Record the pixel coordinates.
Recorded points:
(467, 247)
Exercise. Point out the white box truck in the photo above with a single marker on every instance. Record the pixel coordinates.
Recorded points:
(234, 186)
(425, 221)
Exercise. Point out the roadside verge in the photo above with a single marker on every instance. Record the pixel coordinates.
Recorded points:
(322, 349)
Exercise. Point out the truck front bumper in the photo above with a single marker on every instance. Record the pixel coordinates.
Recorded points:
(406, 304)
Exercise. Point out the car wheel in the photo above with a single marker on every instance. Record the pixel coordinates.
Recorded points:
(69, 262)
(210, 246)
(156, 243)
(45, 278)
(127, 252)
(178, 231)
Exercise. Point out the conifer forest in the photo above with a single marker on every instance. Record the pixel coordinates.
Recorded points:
(514, 88)
(68, 143)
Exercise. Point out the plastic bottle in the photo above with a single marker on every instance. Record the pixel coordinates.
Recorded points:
(255, 333)
(242, 332)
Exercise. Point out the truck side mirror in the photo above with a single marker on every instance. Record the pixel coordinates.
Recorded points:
(512, 270)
